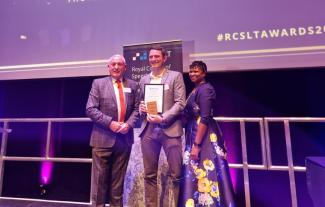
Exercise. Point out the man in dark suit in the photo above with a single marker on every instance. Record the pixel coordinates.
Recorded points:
(162, 130)
(113, 107)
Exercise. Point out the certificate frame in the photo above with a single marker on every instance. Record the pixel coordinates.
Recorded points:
(155, 93)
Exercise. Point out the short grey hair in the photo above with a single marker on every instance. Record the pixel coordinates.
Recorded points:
(118, 56)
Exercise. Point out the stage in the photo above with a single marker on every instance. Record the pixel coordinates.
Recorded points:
(31, 203)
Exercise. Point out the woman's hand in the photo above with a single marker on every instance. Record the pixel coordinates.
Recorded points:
(195, 151)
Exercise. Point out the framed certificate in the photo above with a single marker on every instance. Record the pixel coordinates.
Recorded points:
(154, 98)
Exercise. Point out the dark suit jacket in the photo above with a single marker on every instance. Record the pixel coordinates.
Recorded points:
(102, 109)
(174, 102)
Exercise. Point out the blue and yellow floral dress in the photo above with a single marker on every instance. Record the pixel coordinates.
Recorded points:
(205, 182)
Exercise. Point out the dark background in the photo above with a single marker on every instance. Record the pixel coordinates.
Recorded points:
(268, 93)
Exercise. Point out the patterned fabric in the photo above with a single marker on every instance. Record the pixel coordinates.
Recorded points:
(207, 181)
(133, 195)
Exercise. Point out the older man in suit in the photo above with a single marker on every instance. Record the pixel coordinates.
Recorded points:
(162, 130)
(113, 107)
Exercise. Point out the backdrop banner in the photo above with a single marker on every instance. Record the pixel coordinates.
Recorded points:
(137, 58)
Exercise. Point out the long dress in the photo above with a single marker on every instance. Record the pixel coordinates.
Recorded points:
(206, 182)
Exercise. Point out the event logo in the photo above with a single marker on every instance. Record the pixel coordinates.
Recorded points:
(141, 57)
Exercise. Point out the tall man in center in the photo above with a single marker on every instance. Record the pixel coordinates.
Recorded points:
(162, 130)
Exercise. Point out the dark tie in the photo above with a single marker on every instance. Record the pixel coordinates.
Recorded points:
(122, 102)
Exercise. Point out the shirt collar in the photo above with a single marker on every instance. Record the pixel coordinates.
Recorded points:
(115, 80)
(158, 76)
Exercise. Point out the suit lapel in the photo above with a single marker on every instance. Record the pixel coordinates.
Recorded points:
(164, 77)
(126, 85)
(110, 88)
(148, 79)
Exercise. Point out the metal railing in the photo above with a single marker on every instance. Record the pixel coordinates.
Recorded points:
(290, 167)
(243, 138)
(6, 130)
(264, 132)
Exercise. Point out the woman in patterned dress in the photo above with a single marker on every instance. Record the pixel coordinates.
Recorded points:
(206, 178)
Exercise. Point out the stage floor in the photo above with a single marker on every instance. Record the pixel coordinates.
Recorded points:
(20, 203)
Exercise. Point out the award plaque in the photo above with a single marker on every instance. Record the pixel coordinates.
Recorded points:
(152, 107)
(154, 98)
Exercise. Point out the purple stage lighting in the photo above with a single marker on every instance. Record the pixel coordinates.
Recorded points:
(46, 172)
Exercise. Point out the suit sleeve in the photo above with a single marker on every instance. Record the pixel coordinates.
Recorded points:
(179, 100)
(141, 97)
(93, 107)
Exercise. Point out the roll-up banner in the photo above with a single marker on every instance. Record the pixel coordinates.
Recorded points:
(137, 58)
